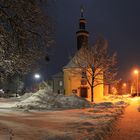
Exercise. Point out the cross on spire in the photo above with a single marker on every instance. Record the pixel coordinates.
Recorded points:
(82, 11)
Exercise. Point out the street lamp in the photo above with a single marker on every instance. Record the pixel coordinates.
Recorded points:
(37, 76)
(136, 72)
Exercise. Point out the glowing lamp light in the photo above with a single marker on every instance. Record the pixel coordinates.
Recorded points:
(37, 76)
(124, 84)
(136, 71)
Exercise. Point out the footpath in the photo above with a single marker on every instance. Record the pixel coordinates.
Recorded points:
(128, 127)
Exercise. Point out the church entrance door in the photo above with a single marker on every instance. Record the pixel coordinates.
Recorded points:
(84, 92)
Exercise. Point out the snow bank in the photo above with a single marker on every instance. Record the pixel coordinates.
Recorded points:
(104, 105)
(45, 99)
(25, 96)
(116, 97)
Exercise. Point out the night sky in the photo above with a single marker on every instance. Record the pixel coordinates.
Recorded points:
(117, 20)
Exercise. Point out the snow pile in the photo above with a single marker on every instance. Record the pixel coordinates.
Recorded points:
(108, 109)
(104, 105)
(121, 103)
(45, 99)
(25, 96)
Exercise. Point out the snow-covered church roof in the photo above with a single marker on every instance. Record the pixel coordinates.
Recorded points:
(71, 63)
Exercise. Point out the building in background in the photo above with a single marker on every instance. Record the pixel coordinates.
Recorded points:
(57, 83)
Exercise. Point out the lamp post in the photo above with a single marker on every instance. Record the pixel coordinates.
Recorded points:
(136, 72)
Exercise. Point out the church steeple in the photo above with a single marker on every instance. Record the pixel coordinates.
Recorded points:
(82, 34)
(82, 11)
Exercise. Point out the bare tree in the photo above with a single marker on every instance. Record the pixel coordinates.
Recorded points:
(24, 35)
(96, 65)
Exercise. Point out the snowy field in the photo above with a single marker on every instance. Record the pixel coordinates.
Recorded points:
(31, 119)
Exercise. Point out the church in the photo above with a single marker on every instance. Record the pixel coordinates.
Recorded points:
(76, 83)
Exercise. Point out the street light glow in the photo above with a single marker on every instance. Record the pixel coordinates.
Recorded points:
(136, 71)
(124, 84)
(37, 76)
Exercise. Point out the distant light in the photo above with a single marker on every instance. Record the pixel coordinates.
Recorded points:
(136, 71)
(37, 76)
(124, 84)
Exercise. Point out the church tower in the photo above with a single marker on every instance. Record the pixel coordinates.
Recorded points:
(82, 34)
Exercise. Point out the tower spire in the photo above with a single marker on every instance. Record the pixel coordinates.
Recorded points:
(82, 11)
(82, 33)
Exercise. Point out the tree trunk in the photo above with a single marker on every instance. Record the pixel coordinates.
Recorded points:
(92, 94)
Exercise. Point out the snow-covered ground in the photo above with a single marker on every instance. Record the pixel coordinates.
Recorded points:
(74, 124)
(89, 123)
(6, 103)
